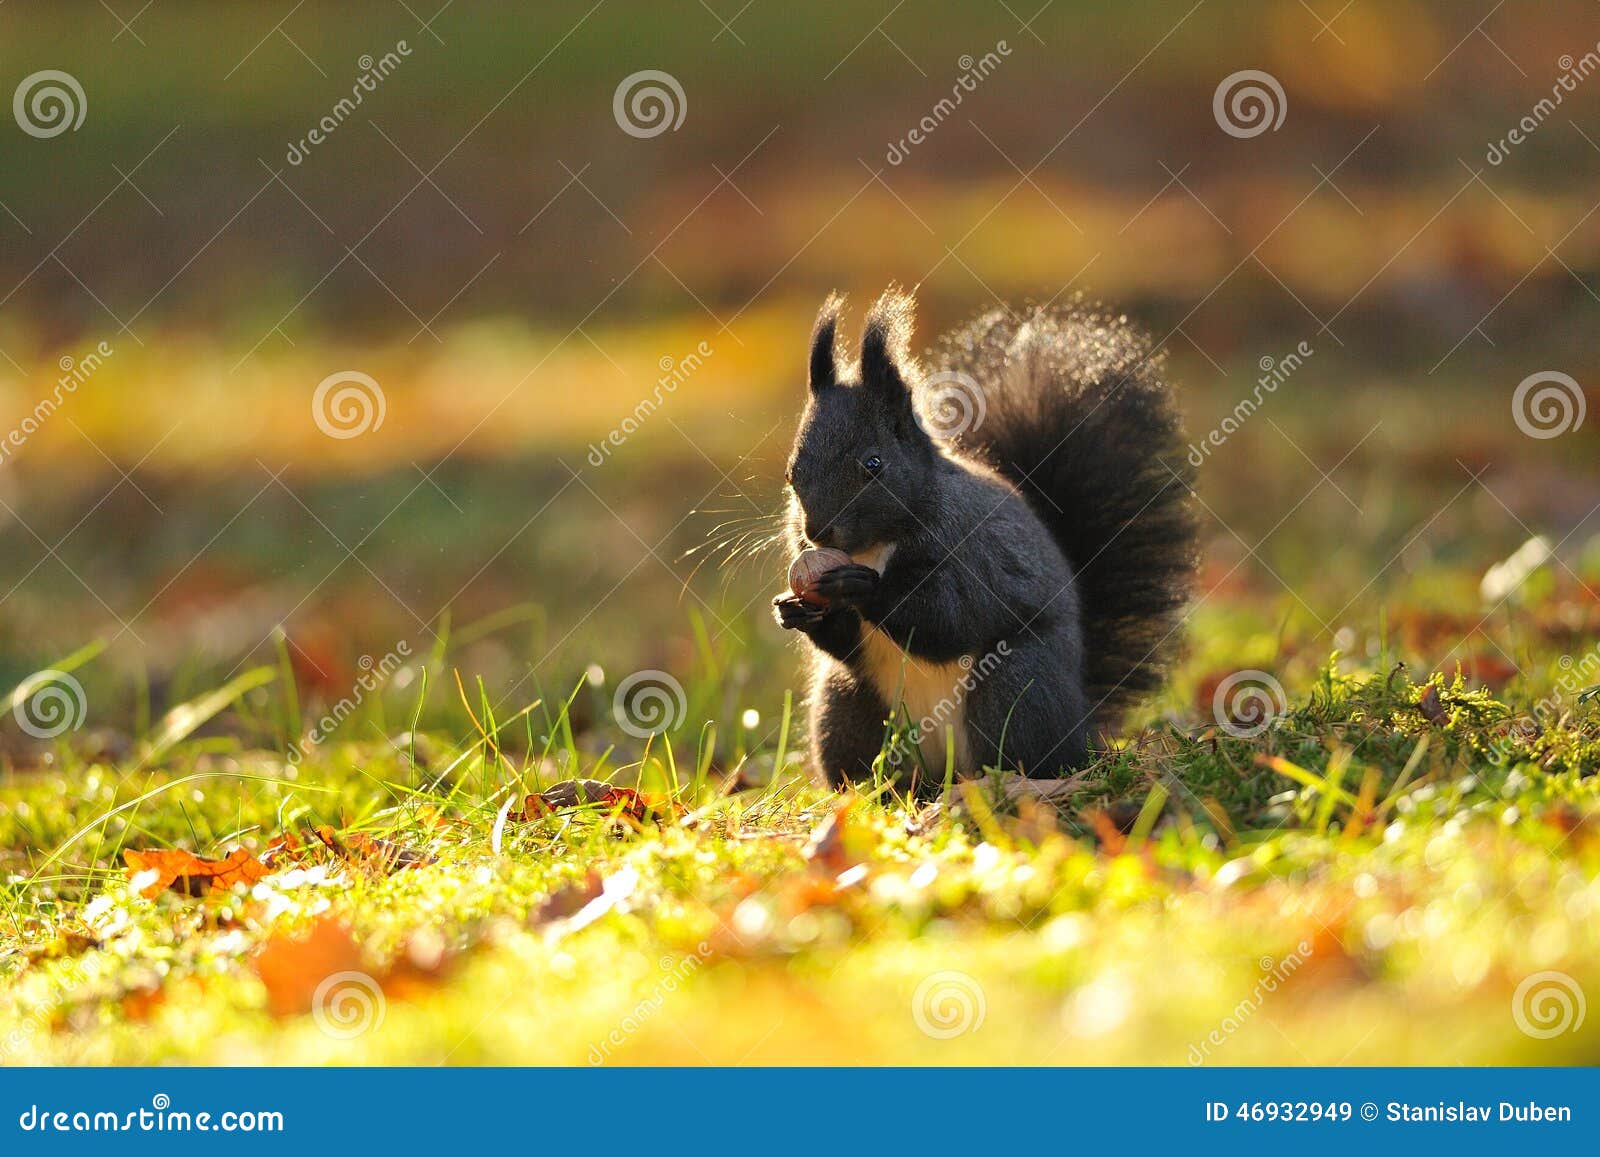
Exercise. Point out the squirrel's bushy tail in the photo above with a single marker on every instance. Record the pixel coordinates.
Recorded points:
(1075, 413)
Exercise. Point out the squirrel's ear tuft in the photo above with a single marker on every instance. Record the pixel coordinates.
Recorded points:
(886, 362)
(824, 361)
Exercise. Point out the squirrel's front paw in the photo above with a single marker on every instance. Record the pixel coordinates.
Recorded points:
(794, 612)
(847, 584)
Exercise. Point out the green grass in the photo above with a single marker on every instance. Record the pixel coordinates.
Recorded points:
(1369, 879)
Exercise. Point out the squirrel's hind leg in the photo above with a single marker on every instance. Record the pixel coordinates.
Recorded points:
(847, 720)
(1030, 714)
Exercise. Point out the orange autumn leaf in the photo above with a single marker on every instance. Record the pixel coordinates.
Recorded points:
(140, 1004)
(281, 849)
(644, 806)
(187, 873)
(1106, 830)
(293, 967)
(323, 971)
(836, 845)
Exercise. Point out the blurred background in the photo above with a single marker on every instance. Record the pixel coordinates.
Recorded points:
(330, 328)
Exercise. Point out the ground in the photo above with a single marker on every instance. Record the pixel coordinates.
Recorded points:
(1386, 872)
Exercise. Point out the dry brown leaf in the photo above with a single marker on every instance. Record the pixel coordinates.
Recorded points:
(636, 807)
(1432, 709)
(363, 851)
(569, 899)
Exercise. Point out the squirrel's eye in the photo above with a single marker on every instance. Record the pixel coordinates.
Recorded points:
(872, 463)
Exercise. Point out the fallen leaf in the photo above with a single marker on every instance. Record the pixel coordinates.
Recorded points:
(644, 807)
(67, 942)
(569, 793)
(835, 844)
(281, 849)
(140, 1004)
(364, 851)
(613, 891)
(1432, 709)
(1107, 830)
(293, 967)
(187, 873)
(323, 971)
(636, 807)
(569, 899)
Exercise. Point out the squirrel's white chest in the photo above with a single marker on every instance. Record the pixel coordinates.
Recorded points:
(932, 695)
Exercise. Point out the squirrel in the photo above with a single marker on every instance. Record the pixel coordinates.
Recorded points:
(1015, 581)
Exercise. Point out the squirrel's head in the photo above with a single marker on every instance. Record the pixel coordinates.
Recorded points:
(862, 467)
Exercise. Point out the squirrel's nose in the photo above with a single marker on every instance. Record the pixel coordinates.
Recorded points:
(822, 536)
